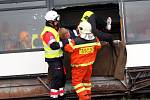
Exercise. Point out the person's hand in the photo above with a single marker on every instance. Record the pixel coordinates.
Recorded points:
(64, 33)
(109, 21)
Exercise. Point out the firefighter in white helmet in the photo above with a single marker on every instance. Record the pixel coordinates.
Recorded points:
(54, 55)
(83, 50)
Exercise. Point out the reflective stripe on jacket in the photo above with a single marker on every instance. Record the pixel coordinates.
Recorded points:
(49, 53)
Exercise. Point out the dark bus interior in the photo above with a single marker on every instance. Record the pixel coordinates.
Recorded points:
(70, 16)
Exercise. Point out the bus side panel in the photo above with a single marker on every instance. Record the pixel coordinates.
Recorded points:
(22, 63)
(138, 55)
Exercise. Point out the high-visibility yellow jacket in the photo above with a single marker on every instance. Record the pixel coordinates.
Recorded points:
(49, 53)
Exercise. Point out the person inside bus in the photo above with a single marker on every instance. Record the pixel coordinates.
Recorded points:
(7, 39)
(54, 55)
(83, 50)
(24, 40)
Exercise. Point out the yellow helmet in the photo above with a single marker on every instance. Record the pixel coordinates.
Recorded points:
(86, 15)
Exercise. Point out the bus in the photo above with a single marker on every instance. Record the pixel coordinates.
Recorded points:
(121, 69)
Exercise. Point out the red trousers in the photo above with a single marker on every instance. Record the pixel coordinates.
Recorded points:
(81, 81)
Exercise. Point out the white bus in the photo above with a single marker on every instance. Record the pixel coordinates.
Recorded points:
(119, 69)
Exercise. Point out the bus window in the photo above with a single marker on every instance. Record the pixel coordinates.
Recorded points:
(18, 26)
(137, 23)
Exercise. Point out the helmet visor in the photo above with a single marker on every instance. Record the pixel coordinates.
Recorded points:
(57, 18)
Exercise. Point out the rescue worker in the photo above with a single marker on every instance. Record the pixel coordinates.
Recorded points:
(99, 26)
(83, 50)
(54, 55)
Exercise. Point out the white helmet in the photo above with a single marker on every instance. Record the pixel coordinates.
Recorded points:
(85, 30)
(52, 15)
(84, 27)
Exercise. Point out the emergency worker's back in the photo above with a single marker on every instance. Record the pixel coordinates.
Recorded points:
(83, 52)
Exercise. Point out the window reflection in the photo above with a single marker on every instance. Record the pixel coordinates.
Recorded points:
(19, 27)
(137, 21)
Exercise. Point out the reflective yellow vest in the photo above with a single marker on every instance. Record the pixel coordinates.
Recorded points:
(49, 53)
(86, 15)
